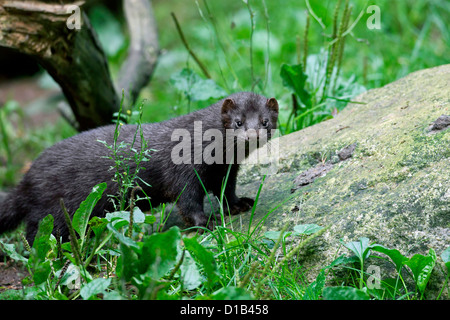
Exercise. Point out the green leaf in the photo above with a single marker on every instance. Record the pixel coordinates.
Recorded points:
(71, 278)
(124, 240)
(421, 267)
(150, 219)
(446, 258)
(395, 255)
(204, 257)
(124, 216)
(314, 290)
(294, 79)
(190, 274)
(94, 287)
(360, 248)
(159, 253)
(98, 225)
(391, 287)
(344, 293)
(307, 228)
(10, 250)
(41, 272)
(81, 217)
(41, 244)
(196, 88)
(138, 215)
(342, 260)
(273, 235)
(128, 262)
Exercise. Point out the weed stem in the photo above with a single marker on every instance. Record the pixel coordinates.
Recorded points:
(188, 47)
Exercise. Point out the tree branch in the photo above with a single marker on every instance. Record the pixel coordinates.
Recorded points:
(143, 52)
(74, 58)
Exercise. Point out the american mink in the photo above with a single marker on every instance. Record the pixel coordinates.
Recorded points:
(70, 168)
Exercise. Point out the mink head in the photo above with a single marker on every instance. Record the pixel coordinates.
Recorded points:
(252, 114)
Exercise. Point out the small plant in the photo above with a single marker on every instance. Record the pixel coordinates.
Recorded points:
(123, 154)
(194, 88)
(318, 91)
(419, 267)
(7, 171)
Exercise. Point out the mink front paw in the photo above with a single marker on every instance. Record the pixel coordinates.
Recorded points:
(242, 205)
(201, 220)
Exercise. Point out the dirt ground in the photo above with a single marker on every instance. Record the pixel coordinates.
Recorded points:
(11, 275)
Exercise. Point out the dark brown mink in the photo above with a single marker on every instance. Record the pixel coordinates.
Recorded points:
(72, 167)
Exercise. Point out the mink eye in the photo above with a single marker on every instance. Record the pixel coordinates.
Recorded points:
(238, 123)
(265, 122)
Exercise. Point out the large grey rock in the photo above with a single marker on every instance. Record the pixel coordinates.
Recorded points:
(380, 169)
(394, 188)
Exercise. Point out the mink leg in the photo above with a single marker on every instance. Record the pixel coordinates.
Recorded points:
(191, 209)
(232, 203)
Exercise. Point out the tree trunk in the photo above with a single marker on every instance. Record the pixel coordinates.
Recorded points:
(143, 52)
(63, 41)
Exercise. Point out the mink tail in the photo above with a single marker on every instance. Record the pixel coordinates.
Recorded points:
(9, 217)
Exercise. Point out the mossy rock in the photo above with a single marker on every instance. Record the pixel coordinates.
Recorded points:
(394, 189)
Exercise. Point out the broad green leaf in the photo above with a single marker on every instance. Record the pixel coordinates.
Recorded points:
(150, 219)
(190, 274)
(159, 253)
(421, 267)
(344, 293)
(41, 244)
(196, 88)
(41, 272)
(10, 250)
(395, 255)
(98, 225)
(204, 257)
(124, 240)
(94, 287)
(446, 258)
(128, 262)
(71, 277)
(118, 219)
(81, 217)
(138, 215)
(360, 248)
(272, 235)
(122, 218)
(391, 286)
(294, 79)
(342, 260)
(307, 228)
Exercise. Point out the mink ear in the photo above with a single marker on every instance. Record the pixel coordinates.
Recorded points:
(272, 104)
(228, 105)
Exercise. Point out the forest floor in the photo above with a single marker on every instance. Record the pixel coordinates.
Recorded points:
(11, 275)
